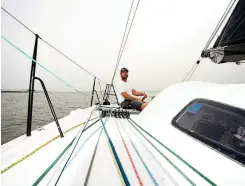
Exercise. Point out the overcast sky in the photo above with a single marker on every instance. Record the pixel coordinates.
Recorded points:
(166, 39)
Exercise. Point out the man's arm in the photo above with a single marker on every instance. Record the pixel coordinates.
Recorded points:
(137, 93)
(128, 96)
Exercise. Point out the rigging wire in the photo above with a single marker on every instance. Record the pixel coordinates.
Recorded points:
(51, 45)
(101, 92)
(221, 21)
(71, 60)
(123, 37)
(193, 67)
(33, 60)
(17, 20)
(124, 44)
(189, 72)
(64, 153)
(77, 141)
(192, 72)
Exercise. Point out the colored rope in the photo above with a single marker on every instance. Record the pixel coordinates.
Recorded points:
(37, 149)
(92, 160)
(116, 165)
(141, 159)
(123, 37)
(51, 45)
(165, 157)
(81, 147)
(130, 158)
(176, 155)
(125, 179)
(154, 157)
(51, 166)
(33, 60)
(75, 145)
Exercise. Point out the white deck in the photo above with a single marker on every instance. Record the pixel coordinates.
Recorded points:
(151, 167)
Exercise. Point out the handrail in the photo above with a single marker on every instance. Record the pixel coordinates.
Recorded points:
(33, 77)
(51, 106)
(31, 86)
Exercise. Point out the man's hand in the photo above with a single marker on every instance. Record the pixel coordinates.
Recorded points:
(141, 100)
(144, 94)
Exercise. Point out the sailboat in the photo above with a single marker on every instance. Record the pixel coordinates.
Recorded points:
(191, 133)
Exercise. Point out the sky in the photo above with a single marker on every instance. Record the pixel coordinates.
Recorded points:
(166, 39)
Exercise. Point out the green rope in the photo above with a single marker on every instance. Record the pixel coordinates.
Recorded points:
(51, 166)
(166, 158)
(5, 39)
(176, 155)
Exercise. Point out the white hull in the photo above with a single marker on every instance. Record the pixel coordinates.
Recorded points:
(146, 165)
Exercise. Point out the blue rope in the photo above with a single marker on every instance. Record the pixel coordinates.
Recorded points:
(176, 155)
(116, 156)
(81, 147)
(154, 157)
(136, 150)
(164, 156)
(33, 60)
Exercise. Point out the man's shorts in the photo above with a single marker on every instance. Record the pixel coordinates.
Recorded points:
(135, 104)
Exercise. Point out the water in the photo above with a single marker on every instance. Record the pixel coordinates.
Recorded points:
(14, 110)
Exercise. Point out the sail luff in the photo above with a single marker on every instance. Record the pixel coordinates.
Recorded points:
(230, 45)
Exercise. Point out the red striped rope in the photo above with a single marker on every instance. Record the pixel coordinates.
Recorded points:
(131, 159)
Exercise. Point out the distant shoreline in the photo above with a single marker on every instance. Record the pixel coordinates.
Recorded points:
(36, 91)
(40, 91)
(15, 91)
(19, 91)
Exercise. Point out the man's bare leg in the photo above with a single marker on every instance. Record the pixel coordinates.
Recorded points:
(143, 106)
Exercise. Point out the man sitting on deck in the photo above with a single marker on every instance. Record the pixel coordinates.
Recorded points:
(126, 95)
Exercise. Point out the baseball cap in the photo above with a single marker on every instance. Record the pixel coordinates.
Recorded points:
(124, 69)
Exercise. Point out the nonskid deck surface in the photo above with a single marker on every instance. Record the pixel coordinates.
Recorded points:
(109, 151)
(110, 155)
(31, 155)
